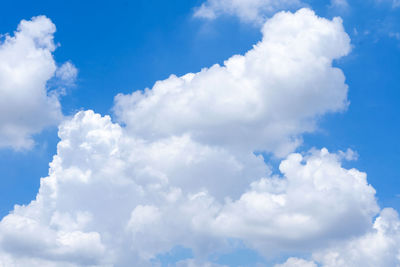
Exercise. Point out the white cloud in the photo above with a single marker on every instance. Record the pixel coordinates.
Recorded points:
(280, 213)
(379, 247)
(175, 176)
(105, 202)
(26, 65)
(67, 73)
(105, 194)
(247, 10)
(263, 100)
(296, 262)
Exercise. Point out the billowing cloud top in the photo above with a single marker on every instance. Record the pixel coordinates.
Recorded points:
(26, 65)
(182, 172)
(262, 100)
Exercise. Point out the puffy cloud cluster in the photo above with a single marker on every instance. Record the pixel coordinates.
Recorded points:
(380, 246)
(263, 100)
(247, 10)
(26, 65)
(182, 170)
(280, 213)
(110, 198)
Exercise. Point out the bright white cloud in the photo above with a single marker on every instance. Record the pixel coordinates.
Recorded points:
(182, 171)
(26, 65)
(104, 202)
(247, 10)
(379, 247)
(282, 214)
(263, 100)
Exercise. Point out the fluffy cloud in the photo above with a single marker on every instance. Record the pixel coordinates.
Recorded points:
(279, 213)
(379, 247)
(183, 172)
(104, 202)
(262, 100)
(246, 10)
(26, 65)
(67, 73)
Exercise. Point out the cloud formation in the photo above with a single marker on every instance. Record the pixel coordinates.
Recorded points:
(263, 100)
(26, 65)
(182, 170)
(253, 11)
(103, 195)
(380, 246)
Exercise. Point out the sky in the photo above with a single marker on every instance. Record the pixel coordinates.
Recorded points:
(200, 133)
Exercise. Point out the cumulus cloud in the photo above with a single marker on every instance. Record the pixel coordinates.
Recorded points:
(105, 203)
(182, 170)
(278, 213)
(263, 100)
(247, 10)
(380, 246)
(26, 65)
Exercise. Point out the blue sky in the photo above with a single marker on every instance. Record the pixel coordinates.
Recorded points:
(124, 46)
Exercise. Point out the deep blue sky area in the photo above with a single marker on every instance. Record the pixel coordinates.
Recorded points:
(122, 46)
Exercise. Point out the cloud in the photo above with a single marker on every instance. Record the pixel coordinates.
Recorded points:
(182, 170)
(26, 65)
(103, 196)
(339, 4)
(380, 246)
(193, 263)
(67, 73)
(263, 100)
(278, 213)
(296, 262)
(247, 10)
